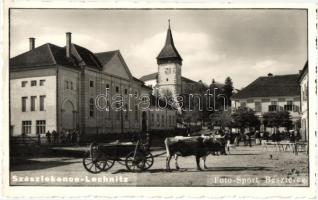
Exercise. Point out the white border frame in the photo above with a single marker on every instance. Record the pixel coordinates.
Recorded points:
(215, 192)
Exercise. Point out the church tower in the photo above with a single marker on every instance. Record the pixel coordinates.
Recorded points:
(169, 68)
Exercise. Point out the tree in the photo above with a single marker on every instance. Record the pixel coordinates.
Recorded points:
(228, 90)
(222, 119)
(245, 117)
(277, 119)
(216, 101)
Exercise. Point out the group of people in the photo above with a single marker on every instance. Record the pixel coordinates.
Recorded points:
(64, 137)
(247, 137)
(277, 136)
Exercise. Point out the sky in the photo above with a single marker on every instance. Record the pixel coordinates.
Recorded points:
(214, 44)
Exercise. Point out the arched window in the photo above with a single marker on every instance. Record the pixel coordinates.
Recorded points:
(91, 107)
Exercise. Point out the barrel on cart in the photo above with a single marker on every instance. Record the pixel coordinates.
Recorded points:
(102, 157)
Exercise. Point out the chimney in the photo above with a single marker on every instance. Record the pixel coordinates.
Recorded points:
(270, 75)
(68, 44)
(32, 43)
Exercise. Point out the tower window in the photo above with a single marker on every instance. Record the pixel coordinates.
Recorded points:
(167, 79)
(91, 83)
(66, 85)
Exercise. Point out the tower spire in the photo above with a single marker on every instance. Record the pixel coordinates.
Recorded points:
(169, 52)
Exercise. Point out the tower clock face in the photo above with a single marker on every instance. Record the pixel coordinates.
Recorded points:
(167, 71)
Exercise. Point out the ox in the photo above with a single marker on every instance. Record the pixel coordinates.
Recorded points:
(199, 146)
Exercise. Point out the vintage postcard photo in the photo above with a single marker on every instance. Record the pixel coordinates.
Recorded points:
(160, 97)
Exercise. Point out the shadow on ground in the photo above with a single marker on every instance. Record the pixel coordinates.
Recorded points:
(26, 164)
(210, 169)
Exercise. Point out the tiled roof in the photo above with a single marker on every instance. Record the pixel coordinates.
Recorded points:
(169, 51)
(50, 54)
(303, 72)
(87, 56)
(104, 57)
(271, 86)
(153, 76)
(44, 55)
(149, 77)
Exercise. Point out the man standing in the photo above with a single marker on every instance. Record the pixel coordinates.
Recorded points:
(48, 137)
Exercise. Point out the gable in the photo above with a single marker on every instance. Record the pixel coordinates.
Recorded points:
(117, 67)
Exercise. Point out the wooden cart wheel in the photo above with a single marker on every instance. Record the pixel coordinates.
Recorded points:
(104, 163)
(135, 162)
(148, 162)
(90, 164)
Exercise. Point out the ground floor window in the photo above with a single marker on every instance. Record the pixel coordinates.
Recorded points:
(26, 127)
(40, 126)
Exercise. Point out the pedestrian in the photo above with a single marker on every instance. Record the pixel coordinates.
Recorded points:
(39, 138)
(227, 138)
(62, 137)
(54, 134)
(48, 137)
(73, 137)
(188, 130)
(68, 137)
(77, 136)
(292, 137)
(257, 137)
(298, 135)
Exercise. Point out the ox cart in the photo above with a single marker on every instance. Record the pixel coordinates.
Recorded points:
(102, 157)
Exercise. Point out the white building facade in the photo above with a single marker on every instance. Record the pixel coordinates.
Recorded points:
(303, 81)
(59, 88)
(271, 94)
